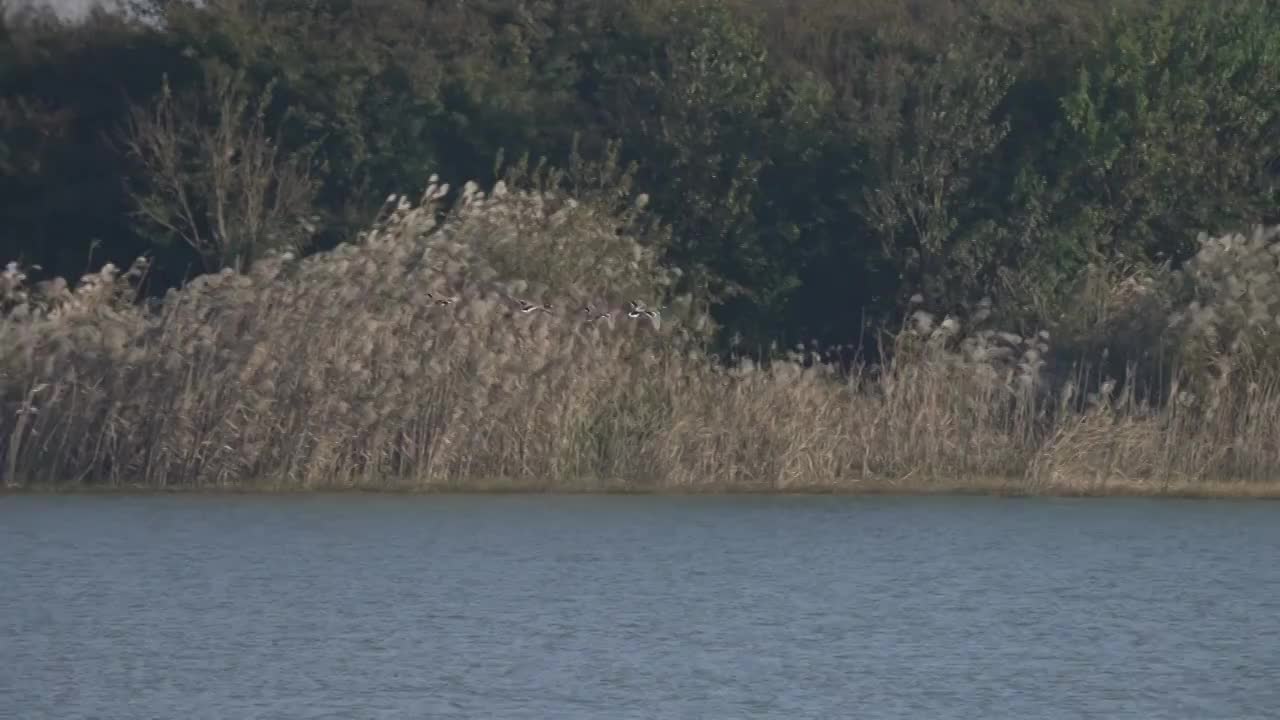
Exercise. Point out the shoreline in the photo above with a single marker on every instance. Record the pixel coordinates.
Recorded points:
(991, 487)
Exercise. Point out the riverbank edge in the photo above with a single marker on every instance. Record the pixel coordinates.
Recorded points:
(993, 487)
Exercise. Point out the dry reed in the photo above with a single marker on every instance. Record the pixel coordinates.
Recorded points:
(460, 354)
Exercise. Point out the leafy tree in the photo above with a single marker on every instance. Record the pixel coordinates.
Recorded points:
(688, 88)
(931, 131)
(1173, 127)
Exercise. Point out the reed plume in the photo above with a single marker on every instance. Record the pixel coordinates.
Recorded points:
(404, 359)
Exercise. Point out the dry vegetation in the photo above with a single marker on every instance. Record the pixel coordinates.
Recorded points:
(455, 351)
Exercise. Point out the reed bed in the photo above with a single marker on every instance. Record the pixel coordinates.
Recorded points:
(470, 350)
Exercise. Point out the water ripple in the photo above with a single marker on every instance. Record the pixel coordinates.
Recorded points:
(543, 607)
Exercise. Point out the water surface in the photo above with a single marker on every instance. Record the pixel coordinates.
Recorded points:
(637, 607)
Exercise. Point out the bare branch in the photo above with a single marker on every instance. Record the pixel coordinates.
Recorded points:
(214, 177)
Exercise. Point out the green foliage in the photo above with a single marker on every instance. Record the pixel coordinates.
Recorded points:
(687, 88)
(1172, 126)
(929, 150)
(816, 162)
(350, 86)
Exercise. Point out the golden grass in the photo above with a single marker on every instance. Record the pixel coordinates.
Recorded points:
(405, 362)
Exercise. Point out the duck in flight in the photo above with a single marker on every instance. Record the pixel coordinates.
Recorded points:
(637, 309)
(525, 307)
(593, 314)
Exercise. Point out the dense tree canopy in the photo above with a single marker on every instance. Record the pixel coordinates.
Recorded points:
(818, 162)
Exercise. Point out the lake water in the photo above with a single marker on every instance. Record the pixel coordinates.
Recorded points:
(366, 606)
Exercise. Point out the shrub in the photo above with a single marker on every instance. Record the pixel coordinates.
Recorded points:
(1212, 320)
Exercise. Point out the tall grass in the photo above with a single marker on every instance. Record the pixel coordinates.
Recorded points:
(468, 349)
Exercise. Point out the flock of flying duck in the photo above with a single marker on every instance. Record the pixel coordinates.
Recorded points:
(634, 309)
